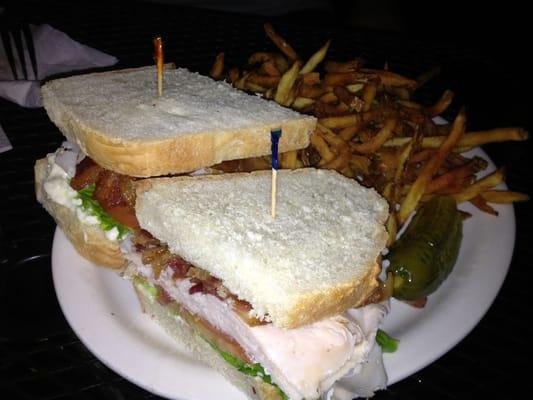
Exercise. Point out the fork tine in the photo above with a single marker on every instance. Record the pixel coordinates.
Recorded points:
(28, 37)
(6, 42)
(17, 37)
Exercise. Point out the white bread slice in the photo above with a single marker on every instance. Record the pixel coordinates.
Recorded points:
(317, 258)
(185, 334)
(89, 240)
(117, 119)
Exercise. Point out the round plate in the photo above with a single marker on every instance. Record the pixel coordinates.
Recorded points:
(103, 310)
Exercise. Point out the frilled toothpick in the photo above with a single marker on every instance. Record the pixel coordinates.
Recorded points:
(274, 135)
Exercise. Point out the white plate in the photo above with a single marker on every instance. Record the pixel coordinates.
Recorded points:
(103, 311)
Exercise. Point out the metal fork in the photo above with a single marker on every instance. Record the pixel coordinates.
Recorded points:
(19, 35)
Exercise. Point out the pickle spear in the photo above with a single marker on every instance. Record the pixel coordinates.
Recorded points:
(423, 257)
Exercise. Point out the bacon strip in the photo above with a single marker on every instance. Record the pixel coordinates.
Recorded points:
(114, 192)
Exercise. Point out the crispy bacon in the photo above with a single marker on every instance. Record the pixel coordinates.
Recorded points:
(107, 191)
(196, 288)
(162, 296)
(179, 266)
(114, 192)
(87, 172)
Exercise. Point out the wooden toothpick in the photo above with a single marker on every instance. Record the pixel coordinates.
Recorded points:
(159, 61)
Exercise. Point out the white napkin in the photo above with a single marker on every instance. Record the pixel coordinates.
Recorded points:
(56, 53)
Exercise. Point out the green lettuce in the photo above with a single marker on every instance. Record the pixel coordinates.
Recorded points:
(91, 206)
(387, 343)
(248, 369)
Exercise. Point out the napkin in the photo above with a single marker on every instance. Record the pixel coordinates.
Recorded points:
(56, 53)
(5, 144)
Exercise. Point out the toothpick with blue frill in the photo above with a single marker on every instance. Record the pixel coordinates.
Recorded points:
(274, 137)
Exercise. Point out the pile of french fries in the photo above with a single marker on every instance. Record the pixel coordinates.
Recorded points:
(370, 129)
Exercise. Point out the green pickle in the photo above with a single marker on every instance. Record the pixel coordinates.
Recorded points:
(423, 257)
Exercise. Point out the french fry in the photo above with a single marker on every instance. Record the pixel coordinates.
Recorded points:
(427, 76)
(503, 196)
(475, 139)
(348, 172)
(340, 162)
(315, 59)
(360, 164)
(470, 139)
(311, 78)
(322, 147)
(312, 91)
(340, 121)
(281, 43)
(449, 178)
(331, 137)
(286, 83)
(233, 75)
(269, 68)
(342, 78)
(260, 57)
(420, 156)
(480, 186)
(418, 188)
(403, 160)
(392, 228)
(351, 100)
(302, 102)
(410, 104)
(328, 98)
(349, 132)
(355, 87)
(289, 160)
(263, 80)
(240, 82)
(481, 204)
(281, 62)
(325, 110)
(253, 87)
(218, 67)
(400, 92)
(348, 66)
(388, 78)
(441, 105)
(377, 141)
(369, 94)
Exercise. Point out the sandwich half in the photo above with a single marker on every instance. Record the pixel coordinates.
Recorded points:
(278, 305)
(119, 130)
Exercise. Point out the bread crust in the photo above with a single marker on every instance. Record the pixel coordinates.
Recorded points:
(313, 305)
(88, 240)
(179, 154)
(184, 333)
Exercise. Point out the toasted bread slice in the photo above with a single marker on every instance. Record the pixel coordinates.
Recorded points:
(89, 240)
(118, 120)
(317, 258)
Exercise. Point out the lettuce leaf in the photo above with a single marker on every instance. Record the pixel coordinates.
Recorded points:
(248, 369)
(91, 206)
(388, 344)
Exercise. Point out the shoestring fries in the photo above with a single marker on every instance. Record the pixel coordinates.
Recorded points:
(370, 129)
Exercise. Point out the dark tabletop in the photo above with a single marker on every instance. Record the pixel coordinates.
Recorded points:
(41, 357)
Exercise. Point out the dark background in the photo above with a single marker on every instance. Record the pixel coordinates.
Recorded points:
(484, 56)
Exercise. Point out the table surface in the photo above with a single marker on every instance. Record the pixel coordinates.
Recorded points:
(40, 356)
